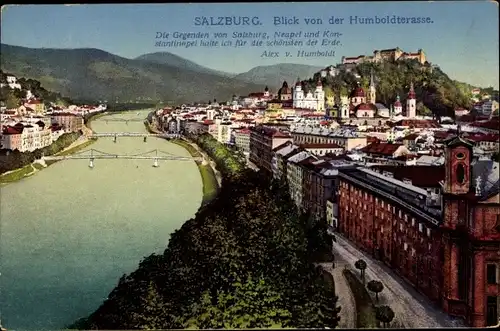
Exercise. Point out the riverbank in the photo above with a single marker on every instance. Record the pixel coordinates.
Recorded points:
(209, 174)
(29, 170)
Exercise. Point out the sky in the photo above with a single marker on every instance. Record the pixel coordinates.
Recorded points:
(463, 38)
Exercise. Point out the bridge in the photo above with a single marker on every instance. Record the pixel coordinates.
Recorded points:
(155, 155)
(123, 120)
(115, 135)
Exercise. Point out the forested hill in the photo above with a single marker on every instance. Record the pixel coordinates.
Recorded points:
(434, 89)
(11, 98)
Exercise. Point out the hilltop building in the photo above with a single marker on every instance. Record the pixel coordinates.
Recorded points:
(393, 54)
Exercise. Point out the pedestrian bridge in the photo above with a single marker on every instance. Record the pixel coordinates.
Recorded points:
(126, 120)
(134, 134)
(155, 155)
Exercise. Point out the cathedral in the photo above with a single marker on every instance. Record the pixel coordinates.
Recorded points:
(363, 105)
(309, 100)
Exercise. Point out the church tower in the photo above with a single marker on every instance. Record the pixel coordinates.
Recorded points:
(266, 92)
(372, 91)
(344, 107)
(411, 103)
(457, 187)
(398, 107)
(319, 95)
(298, 94)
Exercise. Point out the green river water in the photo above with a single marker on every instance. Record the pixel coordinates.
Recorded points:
(69, 232)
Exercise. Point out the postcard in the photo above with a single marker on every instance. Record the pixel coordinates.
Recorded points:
(249, 165)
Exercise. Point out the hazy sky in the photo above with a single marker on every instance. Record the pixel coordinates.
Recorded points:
(463, 39)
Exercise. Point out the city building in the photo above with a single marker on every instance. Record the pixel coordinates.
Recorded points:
(308, 100)
(69, 121)
(242, 139)
(444, 244)
(345, 138)
(323, 149)
(281, 154)
(393, 54)
(263, 139)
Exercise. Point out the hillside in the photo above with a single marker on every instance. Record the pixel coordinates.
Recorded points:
(436, 92)
(179, 62)
(274, 75)
(11, 98)
(99, 75)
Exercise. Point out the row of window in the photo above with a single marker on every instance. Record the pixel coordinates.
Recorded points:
(421, 227)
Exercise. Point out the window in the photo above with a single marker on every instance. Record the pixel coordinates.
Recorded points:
(491, 273)
(420, 227)
(428, 232)
(460, 171)
(413, 221)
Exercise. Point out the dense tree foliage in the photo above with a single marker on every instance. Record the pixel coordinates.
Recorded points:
(228, 163)
(11, 98)
(242, 262)
(11, 160)
(435, 90)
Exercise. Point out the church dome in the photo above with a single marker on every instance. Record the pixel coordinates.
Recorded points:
(358, 92)
(397, 103)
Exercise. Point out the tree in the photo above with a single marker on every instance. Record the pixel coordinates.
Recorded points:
(376, 287)
(384, 314)
(361, 265)
(250, 304)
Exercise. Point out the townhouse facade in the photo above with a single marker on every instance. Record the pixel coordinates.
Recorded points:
(263, 139)
(444, 244)
(242, 140)
(346, 139)
(69, 121)
(26, 137)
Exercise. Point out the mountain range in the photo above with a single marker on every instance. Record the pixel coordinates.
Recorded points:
(94, 74)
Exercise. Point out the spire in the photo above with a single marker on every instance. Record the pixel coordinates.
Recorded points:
(372, 83)
(411, 93)
(266, 89)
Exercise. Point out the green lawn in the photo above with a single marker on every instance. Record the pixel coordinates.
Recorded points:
(210, 185)
(16, 174)
(77, 148)
(189, 147)
(364, 305)
(38, 166)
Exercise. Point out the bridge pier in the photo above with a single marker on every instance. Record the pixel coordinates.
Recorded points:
(91, 163)
(155, 164)
(114, 139)
(145, 138)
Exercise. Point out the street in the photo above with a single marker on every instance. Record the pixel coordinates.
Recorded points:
(412, 310)
(346, 301)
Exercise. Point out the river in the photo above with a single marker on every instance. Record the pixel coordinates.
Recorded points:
(69, 232)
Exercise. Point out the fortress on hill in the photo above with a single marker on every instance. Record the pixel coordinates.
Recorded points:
(393, 54)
